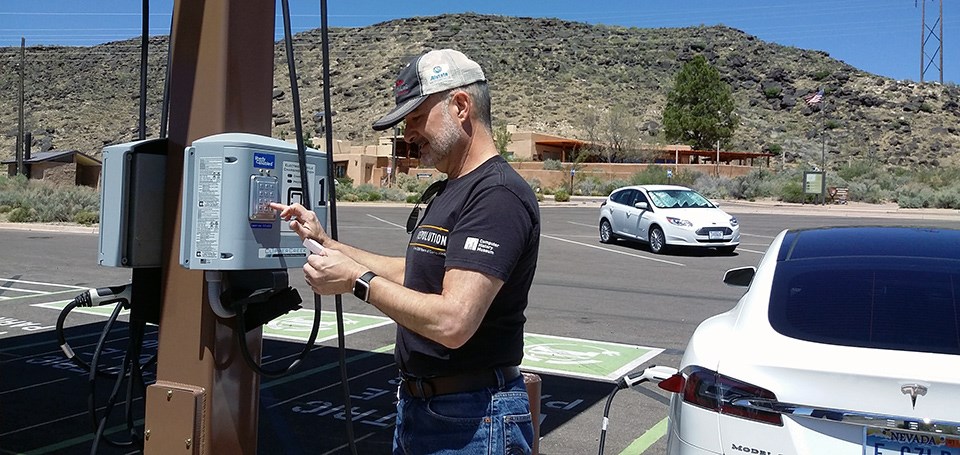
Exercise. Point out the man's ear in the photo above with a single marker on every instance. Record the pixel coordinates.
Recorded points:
(463, 103)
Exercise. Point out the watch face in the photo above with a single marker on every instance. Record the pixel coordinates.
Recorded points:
(361, 287)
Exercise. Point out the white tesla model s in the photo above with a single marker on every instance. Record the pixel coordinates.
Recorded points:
(847, 341)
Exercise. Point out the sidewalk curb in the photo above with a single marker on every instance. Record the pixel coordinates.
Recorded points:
(852, 210)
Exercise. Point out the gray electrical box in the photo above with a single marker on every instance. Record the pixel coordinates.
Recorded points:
(228, 181)
(131, 203)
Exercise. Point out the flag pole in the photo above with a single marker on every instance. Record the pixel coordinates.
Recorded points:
(823, 155)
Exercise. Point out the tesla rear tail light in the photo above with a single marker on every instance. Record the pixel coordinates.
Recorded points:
(716, 392)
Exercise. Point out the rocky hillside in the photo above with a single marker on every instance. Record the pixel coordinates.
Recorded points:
(544, 73)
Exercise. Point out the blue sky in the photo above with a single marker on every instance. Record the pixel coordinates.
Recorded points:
(878, 36)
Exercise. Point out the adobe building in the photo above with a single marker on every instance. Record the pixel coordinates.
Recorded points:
(68, 167)
(378, 164)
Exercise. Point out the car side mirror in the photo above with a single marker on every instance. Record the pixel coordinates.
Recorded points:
(642, 206)
(742, 276)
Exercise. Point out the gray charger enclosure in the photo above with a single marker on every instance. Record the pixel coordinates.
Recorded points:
(132, 183)
(228, 180)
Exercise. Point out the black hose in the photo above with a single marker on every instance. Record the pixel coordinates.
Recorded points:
(68, 350)
(328, 142)
(606, 414)
(144, 43)
(92, 381)
(245, 350)
(165, 104)
(65, 346)
(328, 133)
(137, 329)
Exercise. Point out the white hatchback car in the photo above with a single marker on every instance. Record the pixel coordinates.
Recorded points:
(847, 342)
(665, 216)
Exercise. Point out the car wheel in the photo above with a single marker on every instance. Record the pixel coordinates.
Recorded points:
(606, 232)
(726, 249)
(656, 239)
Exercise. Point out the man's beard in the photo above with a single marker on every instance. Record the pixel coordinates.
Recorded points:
(443, 143)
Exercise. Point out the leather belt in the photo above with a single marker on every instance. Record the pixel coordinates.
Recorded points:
(467, 382)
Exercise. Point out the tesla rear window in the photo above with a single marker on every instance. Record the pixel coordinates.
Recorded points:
(897, 303)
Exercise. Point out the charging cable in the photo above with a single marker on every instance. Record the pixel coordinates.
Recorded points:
(131, 368)
(91, 298)
(652, 373)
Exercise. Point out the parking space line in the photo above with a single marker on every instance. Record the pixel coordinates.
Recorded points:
(305, 373)
(750, 251)
(26, 291)
(42, 283)
(328, 386)
(583, 224)
(385, 221)
(613, 251)
(39, 384)
(641, 444)
(758, 235)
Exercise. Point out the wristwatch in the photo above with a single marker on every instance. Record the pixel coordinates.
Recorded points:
(361, 287)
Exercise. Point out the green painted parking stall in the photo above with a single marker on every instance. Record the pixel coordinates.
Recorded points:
(588, 359)
(547, 354)
(295, 325)
(576, 377)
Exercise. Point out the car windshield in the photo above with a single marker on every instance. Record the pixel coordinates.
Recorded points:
(676, 199)
(884, 302)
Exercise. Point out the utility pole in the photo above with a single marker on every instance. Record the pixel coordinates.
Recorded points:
(934, 32)
(20, 122)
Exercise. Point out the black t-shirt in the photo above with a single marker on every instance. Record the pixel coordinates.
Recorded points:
(486, 221)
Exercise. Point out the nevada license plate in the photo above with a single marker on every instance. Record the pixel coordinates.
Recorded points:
(716, 235)
(885, 441)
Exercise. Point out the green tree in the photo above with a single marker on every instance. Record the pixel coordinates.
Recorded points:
(502, 138)
(699, 110)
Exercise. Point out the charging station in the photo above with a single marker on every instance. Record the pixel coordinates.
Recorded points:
(131, 206)
(229, 181)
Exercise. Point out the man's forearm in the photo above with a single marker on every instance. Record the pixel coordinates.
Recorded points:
(391, 268)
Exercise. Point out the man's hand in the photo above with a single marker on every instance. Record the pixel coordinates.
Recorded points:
(302, 221)
(331, 272)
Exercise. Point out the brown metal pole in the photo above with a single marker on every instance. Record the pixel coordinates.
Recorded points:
(206, 399)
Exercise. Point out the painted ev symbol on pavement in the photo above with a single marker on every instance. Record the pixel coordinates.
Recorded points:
(566, 354)
(576, 357)
(297, 325)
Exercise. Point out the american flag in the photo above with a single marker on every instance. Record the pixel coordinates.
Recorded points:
(814, 98)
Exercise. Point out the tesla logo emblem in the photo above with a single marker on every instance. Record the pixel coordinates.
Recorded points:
(914, 390)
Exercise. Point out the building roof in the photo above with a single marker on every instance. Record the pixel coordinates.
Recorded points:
(58, 155)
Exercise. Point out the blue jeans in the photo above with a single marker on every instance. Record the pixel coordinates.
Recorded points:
(491, 421)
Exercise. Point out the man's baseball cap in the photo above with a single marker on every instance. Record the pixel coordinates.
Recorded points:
(433, 72)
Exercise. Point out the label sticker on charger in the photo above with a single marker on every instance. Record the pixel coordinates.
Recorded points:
(282, 253)
(207, 219)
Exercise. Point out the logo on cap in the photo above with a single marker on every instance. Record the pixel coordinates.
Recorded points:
(439, 72)
(401, 88)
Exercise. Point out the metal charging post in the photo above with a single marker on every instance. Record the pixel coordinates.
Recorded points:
(205, 399)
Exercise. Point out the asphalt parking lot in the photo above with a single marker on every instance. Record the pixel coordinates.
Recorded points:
(596, 312)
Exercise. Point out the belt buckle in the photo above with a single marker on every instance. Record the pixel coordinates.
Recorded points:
(417, 387)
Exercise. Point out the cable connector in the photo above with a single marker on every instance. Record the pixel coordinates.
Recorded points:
(105, 296)
(652, 373)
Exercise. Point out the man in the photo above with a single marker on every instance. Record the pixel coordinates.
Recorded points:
(459, 294)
